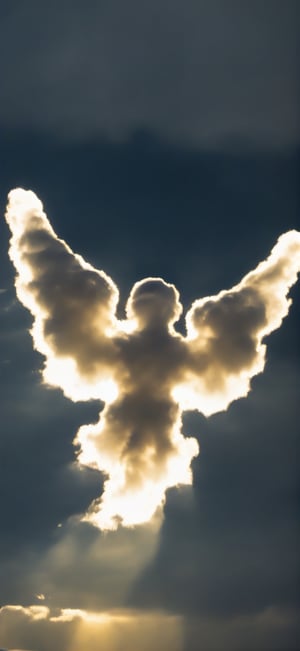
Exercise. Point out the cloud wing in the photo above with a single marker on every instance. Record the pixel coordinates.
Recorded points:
(226, 331)
(72, 303)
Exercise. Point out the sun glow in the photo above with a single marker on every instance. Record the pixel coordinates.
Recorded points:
(111, 630)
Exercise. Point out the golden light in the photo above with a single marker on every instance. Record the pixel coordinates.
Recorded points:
(146, 373)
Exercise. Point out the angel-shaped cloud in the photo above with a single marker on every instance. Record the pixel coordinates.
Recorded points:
(145, 371)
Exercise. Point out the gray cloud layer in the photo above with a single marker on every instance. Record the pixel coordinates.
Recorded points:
(195, 72)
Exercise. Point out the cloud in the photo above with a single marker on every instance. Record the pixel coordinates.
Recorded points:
(217, 69)
(35, 627)
(272, 628)
(73, 630)
(145, 371)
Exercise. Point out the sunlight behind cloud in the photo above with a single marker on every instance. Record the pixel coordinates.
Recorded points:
(76, 630)
(145, 371)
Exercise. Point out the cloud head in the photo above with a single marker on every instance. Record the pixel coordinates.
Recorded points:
(154, 304)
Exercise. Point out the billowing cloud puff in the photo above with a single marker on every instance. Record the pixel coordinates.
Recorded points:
(142, 368)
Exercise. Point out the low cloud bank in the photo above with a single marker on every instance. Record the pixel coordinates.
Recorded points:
(36, 627)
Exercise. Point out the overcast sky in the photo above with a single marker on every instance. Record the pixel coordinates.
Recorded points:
(163, 140)
(197, 72)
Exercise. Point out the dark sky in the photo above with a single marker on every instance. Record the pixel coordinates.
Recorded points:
(163, 140)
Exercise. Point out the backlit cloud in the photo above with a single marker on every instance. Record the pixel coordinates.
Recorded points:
(74, 629)
(31, 628)
(145, 371)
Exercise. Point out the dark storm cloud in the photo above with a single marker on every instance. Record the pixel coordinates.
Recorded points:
(39, 484)
(194, 72)
(273, 629)
(231, 548)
